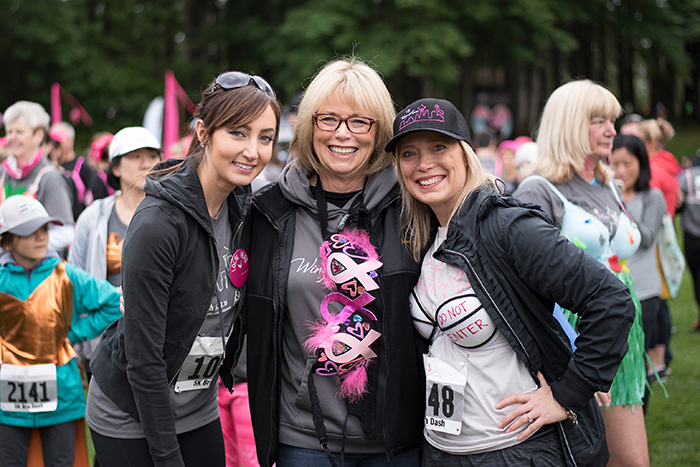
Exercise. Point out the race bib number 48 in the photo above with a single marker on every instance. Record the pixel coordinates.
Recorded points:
(28, 388)
(444, 396)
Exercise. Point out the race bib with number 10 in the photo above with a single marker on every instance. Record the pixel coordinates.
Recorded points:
(444, 396)
(201, 365)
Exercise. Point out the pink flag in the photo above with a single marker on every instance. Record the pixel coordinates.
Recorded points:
(171, 115)
(56, 115)
(77, 112)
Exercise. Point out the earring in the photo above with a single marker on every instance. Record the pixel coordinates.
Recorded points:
(201, 144)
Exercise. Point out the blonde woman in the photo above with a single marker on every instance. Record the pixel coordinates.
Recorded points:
(503, 386)
(332, 386)
(574, 186)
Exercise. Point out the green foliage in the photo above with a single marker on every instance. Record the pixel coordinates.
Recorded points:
(112, 54)
(672, 424)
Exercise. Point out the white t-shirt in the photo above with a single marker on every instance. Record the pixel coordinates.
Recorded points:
(493, 371)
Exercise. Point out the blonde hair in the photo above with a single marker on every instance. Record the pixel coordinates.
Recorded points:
(417, 215)
(657, 132)
(353, 82)
(562, 140)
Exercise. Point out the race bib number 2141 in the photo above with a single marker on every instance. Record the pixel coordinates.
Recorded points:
(28, 388)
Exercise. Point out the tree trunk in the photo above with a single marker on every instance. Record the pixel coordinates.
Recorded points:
(521, 102)
(466, 82)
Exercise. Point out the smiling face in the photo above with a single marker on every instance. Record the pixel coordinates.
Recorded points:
(626, 167)
(22, 141)
(235, 156)
(343, 156)
(434, 170)
(600, 137)
(29, 250)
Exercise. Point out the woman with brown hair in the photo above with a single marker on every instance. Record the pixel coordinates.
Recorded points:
(153, 397)
(664, 165)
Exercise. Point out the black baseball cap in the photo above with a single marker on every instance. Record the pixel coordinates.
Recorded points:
(437, 115)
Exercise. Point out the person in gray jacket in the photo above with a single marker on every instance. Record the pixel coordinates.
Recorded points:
(101, 227)
(647, 207)
(689, 181)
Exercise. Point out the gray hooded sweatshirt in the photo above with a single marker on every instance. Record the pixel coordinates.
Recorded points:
(305, 293)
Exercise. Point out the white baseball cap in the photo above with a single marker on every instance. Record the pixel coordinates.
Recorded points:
(130, 139)
(22, 215)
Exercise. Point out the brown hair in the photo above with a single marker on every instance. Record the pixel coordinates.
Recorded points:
(227, 108)
(6, 241)
(656, 131)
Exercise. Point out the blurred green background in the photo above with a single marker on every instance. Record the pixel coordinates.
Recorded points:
(112, 54)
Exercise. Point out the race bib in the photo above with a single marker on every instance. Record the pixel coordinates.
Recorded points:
(201, 365)
(28, 388)
(444, 396)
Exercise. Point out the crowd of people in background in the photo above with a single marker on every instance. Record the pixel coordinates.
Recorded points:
(354, 297)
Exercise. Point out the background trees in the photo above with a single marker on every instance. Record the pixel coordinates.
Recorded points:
(111, 54)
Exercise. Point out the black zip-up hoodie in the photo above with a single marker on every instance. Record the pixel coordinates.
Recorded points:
(519, 266)
(169, 269)
(274, 218)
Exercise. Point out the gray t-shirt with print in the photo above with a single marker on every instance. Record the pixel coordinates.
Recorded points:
(192, 409)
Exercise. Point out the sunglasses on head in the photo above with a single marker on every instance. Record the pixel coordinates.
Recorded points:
(238, 79)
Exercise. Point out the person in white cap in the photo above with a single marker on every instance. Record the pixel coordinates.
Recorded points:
(101, 228)
(45, 304)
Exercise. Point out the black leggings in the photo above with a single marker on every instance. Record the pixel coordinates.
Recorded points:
(201, 447)
(691, 245)
(57, 443)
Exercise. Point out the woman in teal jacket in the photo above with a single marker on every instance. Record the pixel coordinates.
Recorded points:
(45, 305)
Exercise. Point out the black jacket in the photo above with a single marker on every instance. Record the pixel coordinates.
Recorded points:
(273, 226)
(519, 266)
(169, 270)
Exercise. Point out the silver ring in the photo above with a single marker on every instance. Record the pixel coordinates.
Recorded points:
(529, 418)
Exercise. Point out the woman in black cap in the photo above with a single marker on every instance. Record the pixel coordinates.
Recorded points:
(502, 384)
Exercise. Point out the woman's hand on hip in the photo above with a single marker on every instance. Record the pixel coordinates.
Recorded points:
(538, 408)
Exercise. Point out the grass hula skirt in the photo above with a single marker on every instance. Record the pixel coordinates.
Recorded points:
(631, 379)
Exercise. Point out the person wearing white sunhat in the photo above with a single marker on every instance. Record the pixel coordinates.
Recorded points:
(45, 304)
(100, 229)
